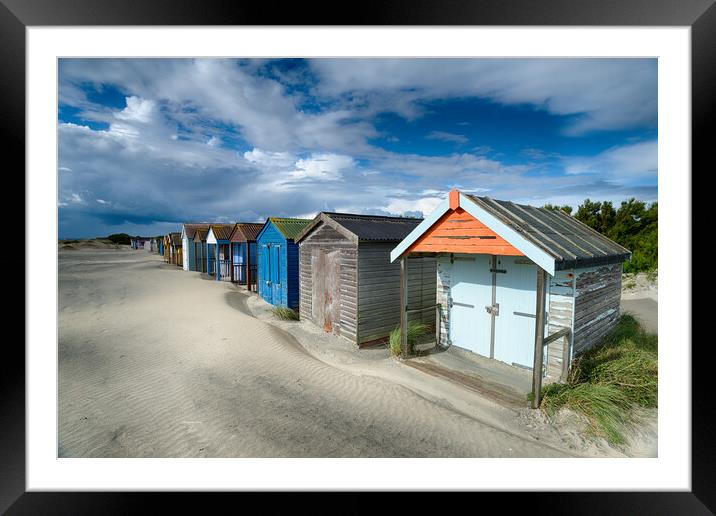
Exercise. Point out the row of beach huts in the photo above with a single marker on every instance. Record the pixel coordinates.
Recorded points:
(527, 286)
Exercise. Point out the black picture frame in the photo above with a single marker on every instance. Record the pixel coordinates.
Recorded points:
(16, 15)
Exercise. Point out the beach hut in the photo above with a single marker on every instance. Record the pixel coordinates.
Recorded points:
(167, 247)
(217, 242)
(244, 254)
(175, 249)
(200, 251)
(188, 248)
(348, 284)
(278, 261)
(527, 286)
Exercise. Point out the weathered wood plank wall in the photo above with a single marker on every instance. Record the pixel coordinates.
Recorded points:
(328, 239)
(560, 315)
(379, 290)
(596, 304)
(459, 232)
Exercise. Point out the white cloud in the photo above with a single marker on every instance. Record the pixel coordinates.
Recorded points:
(623, 162)
(600, 94)
(272, 160)
(447, 137)
(328, 167)
(102, 201)
(137, 110)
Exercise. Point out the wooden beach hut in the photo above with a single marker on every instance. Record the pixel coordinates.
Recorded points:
(278, 261)
(349, 285)
(175, 250)
(527, 286)
(187, 238)
(217, 242)
(200, 250)
(244, 254)
(167, 247)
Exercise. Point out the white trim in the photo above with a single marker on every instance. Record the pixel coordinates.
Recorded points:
(210, 238)
(530, 250)
(523, 245)
(421, 228)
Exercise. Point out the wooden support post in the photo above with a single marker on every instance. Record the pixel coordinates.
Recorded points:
(404, 305)
(437, 325)
(539, 339)
(566, 355)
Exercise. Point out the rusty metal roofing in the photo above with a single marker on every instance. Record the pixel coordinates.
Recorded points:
(222, 231)
(568, 240)
(190, 229)
(367, 228)
(289, 228)
(246, 232)
(200, 235)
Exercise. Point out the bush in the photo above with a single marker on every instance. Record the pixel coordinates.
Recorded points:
(120, 238)
(285, 313)
(608, 381)
(415, 331)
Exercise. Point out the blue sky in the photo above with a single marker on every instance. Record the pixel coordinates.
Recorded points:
(145, 144)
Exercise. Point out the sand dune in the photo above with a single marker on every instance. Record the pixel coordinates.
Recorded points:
(156, 362)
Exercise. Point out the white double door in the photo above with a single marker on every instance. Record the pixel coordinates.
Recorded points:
(507, 294)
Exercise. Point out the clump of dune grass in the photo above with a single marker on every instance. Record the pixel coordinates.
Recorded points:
(608, 382)
(415, 330)
(285, 313)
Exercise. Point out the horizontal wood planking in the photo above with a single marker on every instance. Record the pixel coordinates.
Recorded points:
(441, 237)
(597, 303)
(379, 289)
(561, 314)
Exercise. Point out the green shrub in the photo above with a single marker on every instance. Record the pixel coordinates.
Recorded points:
(120, 238)
(285, 313)
(415, 331)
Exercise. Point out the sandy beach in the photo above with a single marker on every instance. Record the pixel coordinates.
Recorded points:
(158, 362)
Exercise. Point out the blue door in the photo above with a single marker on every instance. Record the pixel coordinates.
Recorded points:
(264, 286)
(515, 326)
(471, 292)
(275, 274)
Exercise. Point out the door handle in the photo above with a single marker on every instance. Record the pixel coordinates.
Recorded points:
(493, 309)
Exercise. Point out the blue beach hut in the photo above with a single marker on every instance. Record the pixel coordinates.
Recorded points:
(278, 261)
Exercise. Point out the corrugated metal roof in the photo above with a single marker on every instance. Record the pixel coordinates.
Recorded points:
(222, 231)
(246, 231)
(289, 228)
(570, 241)
(374, 228)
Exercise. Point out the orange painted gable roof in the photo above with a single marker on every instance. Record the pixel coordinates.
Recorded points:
(459, 232)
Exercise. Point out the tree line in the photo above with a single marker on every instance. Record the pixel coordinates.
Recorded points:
(633, 225)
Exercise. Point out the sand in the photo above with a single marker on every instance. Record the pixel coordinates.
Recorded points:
(155, 361)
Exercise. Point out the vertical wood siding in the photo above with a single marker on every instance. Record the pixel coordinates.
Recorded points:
(379, 290)
(288, 269)
(327, 239)
(596, 304)
(444, 282)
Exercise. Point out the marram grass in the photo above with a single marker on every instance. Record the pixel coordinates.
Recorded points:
(415, 331)
(608, 382)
